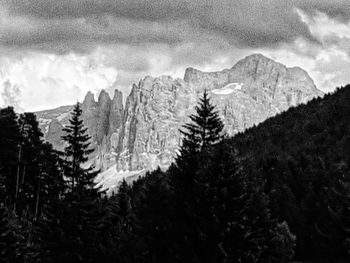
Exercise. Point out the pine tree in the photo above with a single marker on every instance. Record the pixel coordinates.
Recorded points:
(191, 187)
(331, 205)
(9, 242)
(238, 222)
(124, 207)
(204, 130)
(48, 231)
(10, 140)
(77, 152)
(206, 126)
(82, 216)
(30, 166)
(29, 176)
(51, 181)
(7, 246)
(49, 235)
(119, 223)
(281, 244)
(155, 227)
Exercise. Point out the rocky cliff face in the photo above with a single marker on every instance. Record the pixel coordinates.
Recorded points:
(145, 133)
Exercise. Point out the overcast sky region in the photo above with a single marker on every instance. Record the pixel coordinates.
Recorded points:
(53, 51)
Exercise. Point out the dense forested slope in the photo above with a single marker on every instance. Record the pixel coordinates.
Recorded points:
(292, 169)
(302, 157)
(278, 192)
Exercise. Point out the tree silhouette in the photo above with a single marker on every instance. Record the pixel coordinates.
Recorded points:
(206, 126)
(82, 215)
(10, 140)
(77, 152)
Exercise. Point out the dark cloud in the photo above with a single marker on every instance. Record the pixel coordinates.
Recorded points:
(81, 34)
(136, 9)
(61, 25)
(337, 9)
(152, 37)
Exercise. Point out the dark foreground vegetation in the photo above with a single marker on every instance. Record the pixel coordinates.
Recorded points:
(276, 193)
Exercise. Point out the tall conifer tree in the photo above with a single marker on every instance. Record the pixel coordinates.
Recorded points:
(206, 126)
(77, 152)
(82, 215)
(205, 129)
(30, 168)
(9, 151)
(191, 188)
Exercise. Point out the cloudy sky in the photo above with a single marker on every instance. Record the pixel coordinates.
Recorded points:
(53, 51)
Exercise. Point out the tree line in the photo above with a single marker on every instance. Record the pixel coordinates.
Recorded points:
(275, 193)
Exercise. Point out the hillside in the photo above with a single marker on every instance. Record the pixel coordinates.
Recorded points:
(278, 192)
(303, 158)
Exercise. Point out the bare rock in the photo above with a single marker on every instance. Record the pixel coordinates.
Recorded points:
(144, 134)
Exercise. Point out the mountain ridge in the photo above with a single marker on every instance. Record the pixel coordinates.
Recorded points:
(143, 133)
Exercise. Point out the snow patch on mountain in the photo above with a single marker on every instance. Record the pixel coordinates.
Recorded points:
(110, 179)
(228, 89)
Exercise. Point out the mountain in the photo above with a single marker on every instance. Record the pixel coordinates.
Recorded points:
(144, 134)
(51, 123)
(302, 157)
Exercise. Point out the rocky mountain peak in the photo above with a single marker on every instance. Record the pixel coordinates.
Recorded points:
(257, 58)
(118, 96)
(257, 66)
(103, 98)
(192, 74)
(89, 100)
(301, 74)
(251, 64)
(144, 134)
(116, 117)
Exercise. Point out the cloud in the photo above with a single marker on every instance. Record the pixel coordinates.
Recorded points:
(327, 63)
(50, 80)
(10, 95)
(335, 9)
(53, 51)
(40, 81)
(62, 26)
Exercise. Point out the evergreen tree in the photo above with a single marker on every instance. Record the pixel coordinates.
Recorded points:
(51, 182)
(77, 153)
(4, 232)
(124, 212)
(81, 216)
(10, 140)
(117, 237)
(159, 238)
(204, 130)
(191, 188)
(206, 126)
(49, 234)
(281, 244)
(40, 186)
(30, 167)
(238, 223)
(10, 241)
(330, 231)
(7, 243)
(29, 174)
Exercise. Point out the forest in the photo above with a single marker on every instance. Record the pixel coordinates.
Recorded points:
(278, 192)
